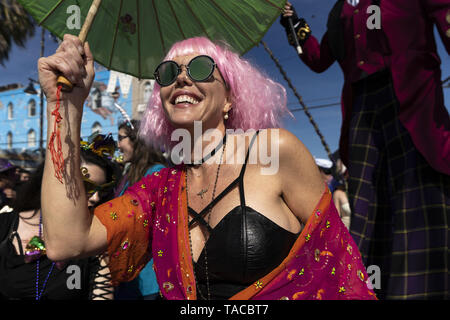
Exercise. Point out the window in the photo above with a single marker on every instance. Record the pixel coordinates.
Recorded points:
(31, 108)
(10, 111)
(9, 140)
(97, 127)
(31, 138)
(148, 89)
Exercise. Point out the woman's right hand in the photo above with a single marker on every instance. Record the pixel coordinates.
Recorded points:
(72, 60)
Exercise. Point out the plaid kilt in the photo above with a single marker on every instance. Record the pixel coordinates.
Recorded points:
(400, 205)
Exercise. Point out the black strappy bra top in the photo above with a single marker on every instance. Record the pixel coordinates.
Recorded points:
(243, 247)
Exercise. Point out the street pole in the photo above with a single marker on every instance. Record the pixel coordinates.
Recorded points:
(41, 111)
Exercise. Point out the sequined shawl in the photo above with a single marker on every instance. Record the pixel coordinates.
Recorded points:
(151, 219)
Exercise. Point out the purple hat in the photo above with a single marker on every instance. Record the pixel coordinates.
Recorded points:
(5, 165)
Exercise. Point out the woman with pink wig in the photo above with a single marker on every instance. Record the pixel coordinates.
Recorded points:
(243, 214)
(258, 102)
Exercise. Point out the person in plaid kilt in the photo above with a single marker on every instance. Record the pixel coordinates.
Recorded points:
(395, 135)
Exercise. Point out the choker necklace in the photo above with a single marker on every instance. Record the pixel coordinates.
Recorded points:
(211, 154)
(208, 223)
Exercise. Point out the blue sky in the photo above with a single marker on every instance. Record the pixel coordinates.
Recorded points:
(316, 89)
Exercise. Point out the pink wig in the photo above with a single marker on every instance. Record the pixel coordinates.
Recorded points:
(257, 101)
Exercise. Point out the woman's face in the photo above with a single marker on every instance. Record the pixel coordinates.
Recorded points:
(125, 145)
(97, 175)
(186, 101)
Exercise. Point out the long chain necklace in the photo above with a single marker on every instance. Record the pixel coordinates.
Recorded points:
(202, 192)
(39, 294)
(209, 219)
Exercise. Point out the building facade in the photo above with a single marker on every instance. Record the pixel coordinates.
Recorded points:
(20, 112)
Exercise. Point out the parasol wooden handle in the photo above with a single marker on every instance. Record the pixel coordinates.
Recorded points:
(67, 86)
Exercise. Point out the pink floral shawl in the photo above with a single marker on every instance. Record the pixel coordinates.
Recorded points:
(151, 219)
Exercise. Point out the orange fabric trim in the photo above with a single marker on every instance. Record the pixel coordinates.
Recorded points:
(127, 235)
(311, 224)
(184, 249)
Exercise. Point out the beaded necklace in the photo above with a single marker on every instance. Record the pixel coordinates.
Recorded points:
(39, 294)
(208, 222)
(55, 138)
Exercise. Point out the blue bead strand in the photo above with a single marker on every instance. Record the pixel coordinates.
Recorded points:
(39, 295)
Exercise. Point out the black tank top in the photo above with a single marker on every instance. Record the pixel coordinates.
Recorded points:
(243, 247)
(18, 279)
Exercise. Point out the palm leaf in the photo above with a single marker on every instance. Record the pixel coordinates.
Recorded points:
(16, 26)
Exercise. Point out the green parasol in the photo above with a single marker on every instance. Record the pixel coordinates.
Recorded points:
(133, 36)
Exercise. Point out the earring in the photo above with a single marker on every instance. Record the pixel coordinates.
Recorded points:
(226, 116)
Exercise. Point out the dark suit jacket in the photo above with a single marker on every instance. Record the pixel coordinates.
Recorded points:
(406, 45)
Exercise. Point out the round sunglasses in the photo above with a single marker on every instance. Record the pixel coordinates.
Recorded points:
(198, 69)
(91, 187)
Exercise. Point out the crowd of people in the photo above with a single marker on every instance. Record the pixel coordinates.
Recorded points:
(213, 224)
(26, 272)
(11, 176)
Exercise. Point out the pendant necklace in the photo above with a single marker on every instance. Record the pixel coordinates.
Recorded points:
(208, 222)
(202, 192)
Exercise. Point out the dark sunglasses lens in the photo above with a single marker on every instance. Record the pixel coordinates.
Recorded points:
(167, 72)
(201, 68)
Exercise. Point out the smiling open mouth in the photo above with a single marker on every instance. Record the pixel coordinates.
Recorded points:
(186, 99)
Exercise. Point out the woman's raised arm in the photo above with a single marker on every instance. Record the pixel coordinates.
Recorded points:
(70, 230)
(302, 185)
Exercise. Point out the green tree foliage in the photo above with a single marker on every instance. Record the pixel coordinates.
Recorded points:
(16, 25)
